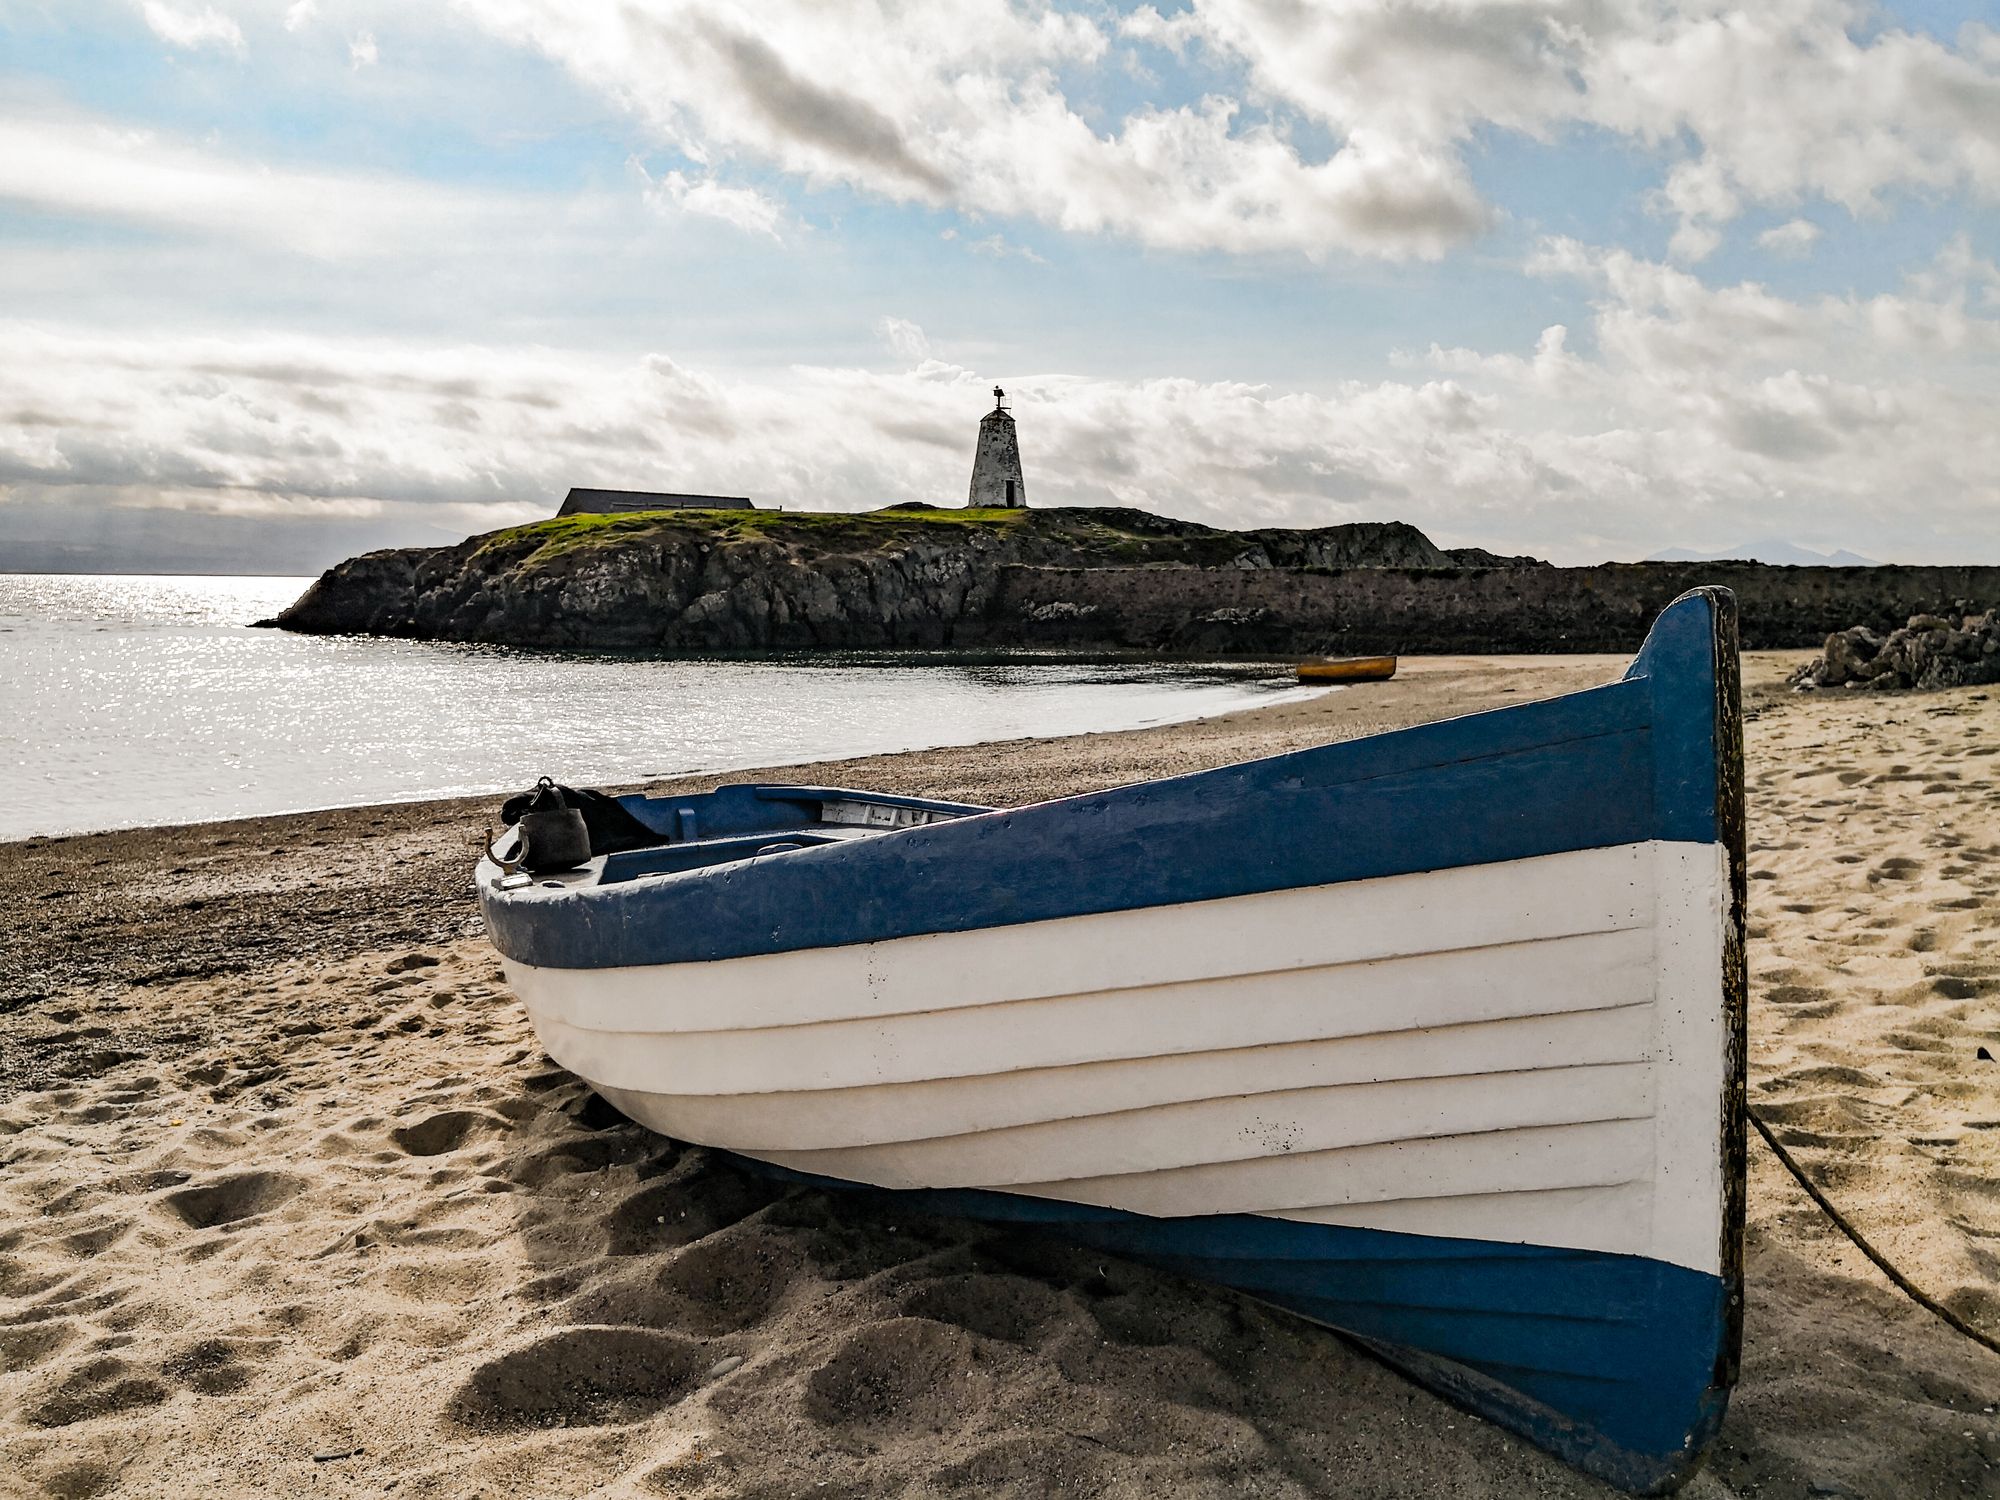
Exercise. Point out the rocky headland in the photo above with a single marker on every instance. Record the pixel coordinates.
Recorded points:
(918, 578)
(1072, 579)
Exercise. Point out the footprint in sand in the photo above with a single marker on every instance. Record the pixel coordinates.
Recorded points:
(1898, 868)
(1828, 1075)
(1961, 987)
(96, 1238)
(231, 1199)
(25, 1346)
(581, 1153)
(721, 1285)
(730, 1281)
(1910, 1041)
(693, 1201)
(1022, 1466)
(218, 1366)
(100, 1387)
(1793, 994)
(1006, 1308)
(906, 1375)
(82, 1481)
(581, 1377)
(18, 1280)
(444, 1132)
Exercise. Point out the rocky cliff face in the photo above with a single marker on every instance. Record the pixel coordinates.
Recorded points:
(1078, 580)
(764, 580)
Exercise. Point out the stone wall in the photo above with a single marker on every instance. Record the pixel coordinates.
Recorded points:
(1208, 611)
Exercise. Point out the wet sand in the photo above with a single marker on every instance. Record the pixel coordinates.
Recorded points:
(291, 1203)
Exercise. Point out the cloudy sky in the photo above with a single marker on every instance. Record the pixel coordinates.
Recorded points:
(285, 279)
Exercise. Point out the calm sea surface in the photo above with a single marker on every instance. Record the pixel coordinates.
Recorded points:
(130, 701)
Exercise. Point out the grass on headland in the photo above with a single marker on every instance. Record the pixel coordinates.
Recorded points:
(560, 534)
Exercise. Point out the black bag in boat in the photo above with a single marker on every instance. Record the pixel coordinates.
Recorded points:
(611, 828)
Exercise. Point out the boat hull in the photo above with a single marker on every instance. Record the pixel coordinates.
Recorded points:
(1348, 669)
(1496, 1051)
(1435, 1038)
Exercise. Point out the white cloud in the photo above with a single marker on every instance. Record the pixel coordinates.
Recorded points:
(999, 247)
(89, 168)
(962, 104)
(1693, 241)
(1785, 99)
(1792, 240)
(993, 107)
(191, 30)
(1700, 193)
(745, 208)
(959, 104)
(362, 51)
(903, 339)
(1682, 414)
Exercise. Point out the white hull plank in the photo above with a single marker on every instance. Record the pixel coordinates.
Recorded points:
(1525, 1052)
(880, 1114)
(1418, 991)
(1598, 1153)
(1612, 1217)
(1479, 906)
(1244, 1128)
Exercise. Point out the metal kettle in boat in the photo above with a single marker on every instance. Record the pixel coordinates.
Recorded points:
(551, 835)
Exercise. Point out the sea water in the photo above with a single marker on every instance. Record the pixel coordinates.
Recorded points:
(128, 701)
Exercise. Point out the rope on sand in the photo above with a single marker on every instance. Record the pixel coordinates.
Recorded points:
(1903, 1283)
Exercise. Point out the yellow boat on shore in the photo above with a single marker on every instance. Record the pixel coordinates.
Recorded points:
(1348, 669)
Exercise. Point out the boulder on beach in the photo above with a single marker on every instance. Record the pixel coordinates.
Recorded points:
(1931, 651)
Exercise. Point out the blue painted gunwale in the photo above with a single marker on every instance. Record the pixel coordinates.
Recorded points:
(1620, 1364)
(1619, 764)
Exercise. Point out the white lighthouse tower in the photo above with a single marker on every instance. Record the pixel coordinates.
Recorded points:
(996, 462)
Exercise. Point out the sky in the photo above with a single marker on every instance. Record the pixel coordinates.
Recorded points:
(285, 280)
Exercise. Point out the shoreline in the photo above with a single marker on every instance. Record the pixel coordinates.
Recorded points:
(702, 775)
(678, 779)
(701, 778)
(181, 901)
(284, 1175)
(301, 726)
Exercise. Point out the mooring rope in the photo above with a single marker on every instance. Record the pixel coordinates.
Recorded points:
(1903, 1283)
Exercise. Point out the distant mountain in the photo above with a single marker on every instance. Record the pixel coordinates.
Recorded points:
(1770, 549)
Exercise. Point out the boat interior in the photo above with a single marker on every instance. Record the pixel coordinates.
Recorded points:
(691, 832)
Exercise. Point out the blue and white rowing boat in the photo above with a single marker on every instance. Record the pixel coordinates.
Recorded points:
(1435, 1037)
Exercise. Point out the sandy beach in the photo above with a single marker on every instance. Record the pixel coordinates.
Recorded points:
(291, 1203)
